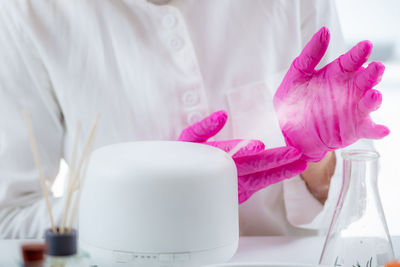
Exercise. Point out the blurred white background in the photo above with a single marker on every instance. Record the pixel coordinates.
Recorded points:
(379, 21)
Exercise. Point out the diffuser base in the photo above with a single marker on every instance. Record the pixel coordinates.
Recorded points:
(109, 257)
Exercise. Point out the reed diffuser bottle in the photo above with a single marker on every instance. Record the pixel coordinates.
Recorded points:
(358, 235)
(62, 250)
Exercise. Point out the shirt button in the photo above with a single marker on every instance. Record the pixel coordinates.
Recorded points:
(169, 21)
(176, 42)
(190, 98)
(194, 117)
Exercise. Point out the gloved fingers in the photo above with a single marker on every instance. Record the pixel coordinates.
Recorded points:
(266, 160)
(371, 76)
(208, 127)
(313, 52)
(245, 195)
(260, 180)
(253, 147)
(368, 129)
(371, 101)
(355, 57)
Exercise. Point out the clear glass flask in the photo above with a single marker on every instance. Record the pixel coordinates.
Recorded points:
(358, 235)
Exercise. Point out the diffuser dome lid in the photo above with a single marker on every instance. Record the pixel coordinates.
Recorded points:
(159, 196)
(179, 158)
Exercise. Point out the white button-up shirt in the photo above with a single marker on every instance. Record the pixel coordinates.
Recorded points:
(151, 70)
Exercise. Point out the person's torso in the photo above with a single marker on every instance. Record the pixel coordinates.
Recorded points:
(152, 70)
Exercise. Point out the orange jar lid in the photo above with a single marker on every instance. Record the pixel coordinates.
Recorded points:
(393, 264)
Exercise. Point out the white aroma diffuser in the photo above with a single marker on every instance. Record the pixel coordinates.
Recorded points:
(160, 203)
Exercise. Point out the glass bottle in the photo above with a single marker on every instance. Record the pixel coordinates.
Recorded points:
(358, 235)
(62, 250)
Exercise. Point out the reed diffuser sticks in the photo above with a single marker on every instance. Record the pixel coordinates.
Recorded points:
(38, 164)
(71, 175)
(76, 173)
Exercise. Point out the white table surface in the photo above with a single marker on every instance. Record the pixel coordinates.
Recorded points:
(265, 249)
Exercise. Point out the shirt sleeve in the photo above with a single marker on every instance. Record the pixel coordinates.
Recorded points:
(302, 209)
(25, 84)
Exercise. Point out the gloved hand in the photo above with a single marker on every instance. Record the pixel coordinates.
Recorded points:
(326, 109)
(257, 168)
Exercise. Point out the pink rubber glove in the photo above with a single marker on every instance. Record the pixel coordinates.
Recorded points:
(326, 109)
(257, 168)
